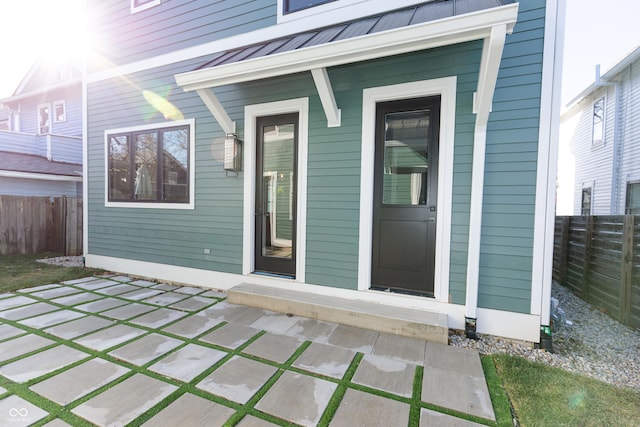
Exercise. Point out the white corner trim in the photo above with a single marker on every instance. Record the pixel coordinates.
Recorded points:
(217, 110)
(145, 6)
(487, 77)
(192, 166)
(327, 98)
(544, 222)
(446, 87)
(251, 113)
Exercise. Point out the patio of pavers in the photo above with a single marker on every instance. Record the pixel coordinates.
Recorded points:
(114, 351)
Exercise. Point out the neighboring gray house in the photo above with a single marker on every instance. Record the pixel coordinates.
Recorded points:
(604, 124)
(397, 152)
(41, 134)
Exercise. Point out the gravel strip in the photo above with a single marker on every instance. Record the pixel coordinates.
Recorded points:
(591, 343)
(64, 261)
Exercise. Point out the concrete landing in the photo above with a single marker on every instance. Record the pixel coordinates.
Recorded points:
(412, 323)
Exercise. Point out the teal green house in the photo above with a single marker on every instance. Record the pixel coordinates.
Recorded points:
(402, 153)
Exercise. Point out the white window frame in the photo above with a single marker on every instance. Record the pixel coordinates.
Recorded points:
(251, 113)
(349, 10)
(49, 121)
(145, 6)
(192, 166)
(446, 87)
(64, 111)
(595, 143)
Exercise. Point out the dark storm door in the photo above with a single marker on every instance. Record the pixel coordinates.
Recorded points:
(405, 195)
(276, 189)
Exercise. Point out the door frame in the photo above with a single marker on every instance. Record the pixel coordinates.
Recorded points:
(445, 87)
(251, 113)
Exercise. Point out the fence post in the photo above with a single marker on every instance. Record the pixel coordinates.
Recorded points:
(588, 237)
(564, 249)
(627, 269)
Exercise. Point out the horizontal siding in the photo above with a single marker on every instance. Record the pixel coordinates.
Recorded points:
(122, 37)
(511, 168)
(630, 129)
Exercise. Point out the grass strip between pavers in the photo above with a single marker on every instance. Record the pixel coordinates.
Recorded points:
(498, 396)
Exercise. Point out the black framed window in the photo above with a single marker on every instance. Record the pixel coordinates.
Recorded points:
(632, 206)
(290, 6)
(586, 201)
(149, 165)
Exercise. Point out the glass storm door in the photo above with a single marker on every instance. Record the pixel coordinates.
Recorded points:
(405, 195)
(276, 188)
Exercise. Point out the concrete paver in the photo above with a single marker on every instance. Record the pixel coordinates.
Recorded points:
(277, 348)
(38, 364)
(237, 314)
(28, 311)
(277, 323)
(166, 298)
(60, 291)
(192, 326)
(8, 331)
(118, 289)
(101, 305)
(360, 408)
(57, 423)
(16, 411)
(251, 421)
(141, 293)
(325, 360)
(393, 376)
(311, 329)
(193, 303)
(190, 290)
(77, 298)
(430, 418)
(298, 398)
(146, 349)
(191, 410)
(110, 337)
(188, 362)
(356, 339)
(410, 350)
(230, 336)
(16, 301)
(50, 319)
(22, 345)
(128, 311)
(125, 401)
(93, 285)
(78, 327)
(79, 381)
(158, 318)
(238, 379)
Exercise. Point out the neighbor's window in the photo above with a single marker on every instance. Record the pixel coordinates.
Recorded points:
(59, 112)
(44, 119)
(139, 5)
(632, 207)
(290, 6)
(598, 122)
(586, 201)
(150, 165)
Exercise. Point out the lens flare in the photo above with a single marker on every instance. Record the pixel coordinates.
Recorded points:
(166, 108)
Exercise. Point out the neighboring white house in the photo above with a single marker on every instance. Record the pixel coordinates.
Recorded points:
(603, 124)
(41, 132)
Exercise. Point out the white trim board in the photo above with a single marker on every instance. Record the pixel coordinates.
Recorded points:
(251, 113)
(445, 87)
(39, 176)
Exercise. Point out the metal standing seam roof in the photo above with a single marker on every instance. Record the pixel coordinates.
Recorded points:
(418, 14)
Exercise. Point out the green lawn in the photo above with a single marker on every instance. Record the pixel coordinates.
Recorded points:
(22, 271)
(539, 395)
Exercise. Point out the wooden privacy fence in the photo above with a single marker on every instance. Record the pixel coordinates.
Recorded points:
(31, 225)
(598, 258)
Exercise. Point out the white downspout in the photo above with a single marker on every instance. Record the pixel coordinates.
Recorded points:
(488, 75)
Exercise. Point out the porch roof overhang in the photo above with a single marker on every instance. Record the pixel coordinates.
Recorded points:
(489, 22)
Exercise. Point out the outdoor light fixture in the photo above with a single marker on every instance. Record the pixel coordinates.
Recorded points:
(232, 153)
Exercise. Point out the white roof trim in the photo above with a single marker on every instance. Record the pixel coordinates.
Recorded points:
(40, 176)
(456, 29)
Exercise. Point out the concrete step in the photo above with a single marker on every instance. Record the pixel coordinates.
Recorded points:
(412, 323)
